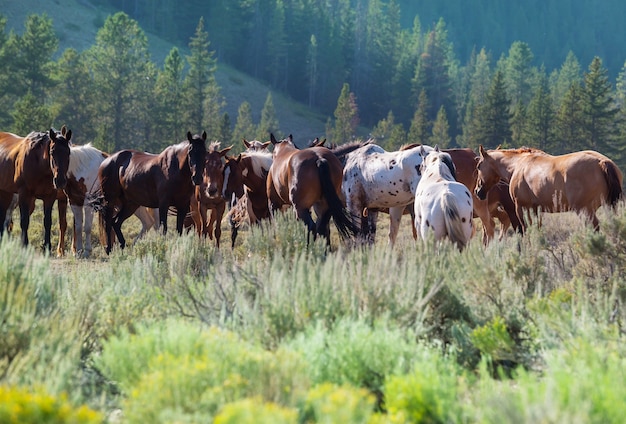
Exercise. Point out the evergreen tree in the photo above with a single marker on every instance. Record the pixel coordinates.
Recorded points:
(226, 133)
(269, 121)
(441, 128)
(494, 116)
(202, 98)
(420, 125)
(519, 137)
(540, 120)
(409, 50)
(73, 97)
(120, 64)
(518, 73)
(32, 68)
(5, 59)
(312, 71)
(389, 135)
(169, 98)
(346, 117)
(432, 74)
(599, 110)
(30, 114)
(480, 81)
(569, 74)
(244, 127)
(569, 123)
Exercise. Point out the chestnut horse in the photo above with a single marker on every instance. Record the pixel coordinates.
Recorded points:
(581, 181)
(305, 179)
(209, 195)
(34, 167)
(130, 179)
(498, 202)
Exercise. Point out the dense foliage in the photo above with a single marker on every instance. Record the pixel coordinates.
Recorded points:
(173, 330)
(357, 65)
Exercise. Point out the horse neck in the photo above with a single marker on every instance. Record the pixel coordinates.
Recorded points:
(84, 163)
(506, 162)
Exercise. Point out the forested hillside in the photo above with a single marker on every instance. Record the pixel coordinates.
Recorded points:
(396, 70)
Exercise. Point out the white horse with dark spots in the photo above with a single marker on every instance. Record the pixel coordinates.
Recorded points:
(443, 206)
(375, 179)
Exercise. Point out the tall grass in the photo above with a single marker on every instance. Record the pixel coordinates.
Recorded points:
(526, 329)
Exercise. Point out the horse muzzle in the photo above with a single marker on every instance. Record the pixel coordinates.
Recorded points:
(59, 182)
(480, 192)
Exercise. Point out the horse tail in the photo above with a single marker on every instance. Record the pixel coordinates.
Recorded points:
(453, 221)
(613, 177)
(342, 218)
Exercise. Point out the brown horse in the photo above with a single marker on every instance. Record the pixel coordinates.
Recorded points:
(34, 167)
(581, 181)
(130, 179)
(465, 161)
(309, 178)
(209, 195)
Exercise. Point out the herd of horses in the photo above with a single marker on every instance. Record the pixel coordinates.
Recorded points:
(442, 189)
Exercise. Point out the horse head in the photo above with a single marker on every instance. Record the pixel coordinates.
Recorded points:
(283, 144)
(233, 179)
(488, 175)
(59, 155)
(255, 145)
(213, 176)
(196, 155)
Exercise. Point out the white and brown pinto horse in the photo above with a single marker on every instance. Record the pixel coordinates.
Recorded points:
(376, 179)
(581, 181)
(443, 206)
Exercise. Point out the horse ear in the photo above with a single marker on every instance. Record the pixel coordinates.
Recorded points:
(436, 147)
(273, 139)
(189, 136)
(290, 138)
(422, 151)
(238, 159)
(246, 143)
(68, 136)
(481, 150)
(63, 130)
(267, 143)
(204, 135)
(225, 150)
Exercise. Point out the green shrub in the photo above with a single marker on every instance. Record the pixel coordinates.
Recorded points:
(22, 406)
(329, 403)
(354, 353)
(493, 340)
(429, 393)
(176, 371)
(255, 411)
(582, 383)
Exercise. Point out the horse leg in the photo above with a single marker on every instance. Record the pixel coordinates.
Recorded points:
(395, 215)
(77, 242)
(86, 216)
(216, 217)
(125, 212)
(519, 211)
(181, 212)
(163, 210)
(47, 222)
(62, 208)
(305, 215)
(25, 207)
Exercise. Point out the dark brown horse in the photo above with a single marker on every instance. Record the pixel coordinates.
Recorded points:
(34, 167)
(208, 195)
(309, 178)
(232, 191)
(581, 181)
(130, 179)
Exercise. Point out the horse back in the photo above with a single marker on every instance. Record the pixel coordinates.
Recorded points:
(9, 148)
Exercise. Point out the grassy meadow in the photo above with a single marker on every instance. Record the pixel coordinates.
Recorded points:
(171, 330)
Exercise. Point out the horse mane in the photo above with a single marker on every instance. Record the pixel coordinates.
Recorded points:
(260, 160)
(409, 146)
(524, 149)
(37, 137)
(342, 150)
(214, 146)
(82, 156)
